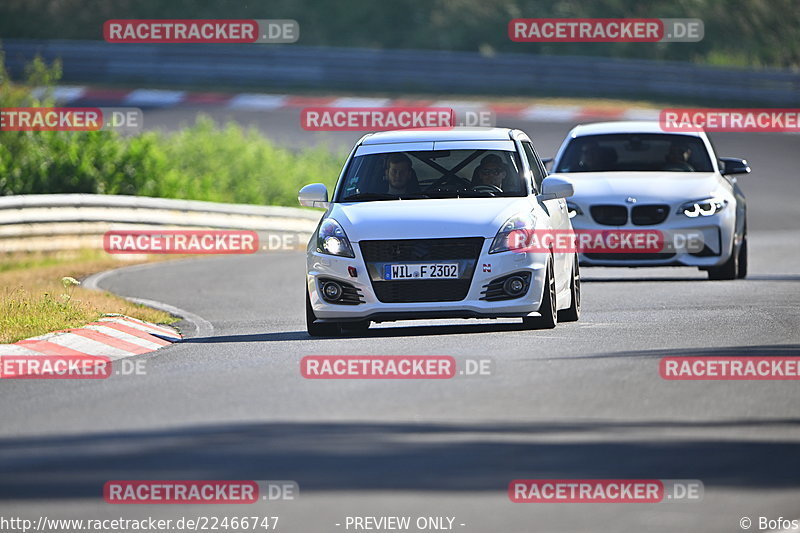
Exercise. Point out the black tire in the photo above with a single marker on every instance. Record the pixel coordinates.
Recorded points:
(355, 327)
(322, 329)
(741, 272)
(573, 312)
(547, 310)
(728, 269)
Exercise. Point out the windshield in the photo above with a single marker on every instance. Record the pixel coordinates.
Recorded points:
(418, 175)
(631, 152)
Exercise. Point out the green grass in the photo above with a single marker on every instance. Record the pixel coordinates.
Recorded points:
(34, 300)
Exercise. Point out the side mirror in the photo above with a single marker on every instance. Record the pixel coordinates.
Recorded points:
(733, 165)
(314, 195)
(554, 187)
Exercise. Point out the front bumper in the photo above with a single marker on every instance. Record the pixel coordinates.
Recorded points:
(487, 268)
(718, 234)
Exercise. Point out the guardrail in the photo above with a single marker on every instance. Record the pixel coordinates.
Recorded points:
(439, 72)
(73, 221)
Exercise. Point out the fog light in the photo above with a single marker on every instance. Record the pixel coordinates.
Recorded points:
(514, 286)
(331, 290)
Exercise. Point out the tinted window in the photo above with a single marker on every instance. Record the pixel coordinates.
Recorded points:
(635, 152)
(432, 174)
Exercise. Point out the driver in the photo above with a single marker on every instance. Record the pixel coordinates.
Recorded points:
(592, 158)
(491, 172)
(399, 174)
(677, 158)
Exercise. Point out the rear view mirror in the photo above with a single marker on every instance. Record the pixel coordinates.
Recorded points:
(733, 165)
(314, 195)
(637, 145)
(553, 187)
(432, 154)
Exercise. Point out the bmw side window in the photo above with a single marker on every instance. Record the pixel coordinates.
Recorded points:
(533, 162)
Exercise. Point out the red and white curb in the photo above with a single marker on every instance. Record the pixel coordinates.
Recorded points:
(82, 95)
(114, 337)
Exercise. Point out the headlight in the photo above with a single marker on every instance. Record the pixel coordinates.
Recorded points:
(573, 210)
(518, 222)
(704, 208)
(332, 240)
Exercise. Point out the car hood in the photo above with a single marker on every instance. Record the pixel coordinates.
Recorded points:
(427, 219)
(645, 187)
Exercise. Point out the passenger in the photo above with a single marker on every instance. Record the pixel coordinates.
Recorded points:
(491, 172)
(592, 155)
(596, 158)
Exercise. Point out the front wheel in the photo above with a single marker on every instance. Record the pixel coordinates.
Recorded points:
(728, 270)
(741, 273)
(573, 312)
(323, 329)
(547, 310)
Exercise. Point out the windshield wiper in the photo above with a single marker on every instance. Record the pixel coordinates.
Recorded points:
(442, 194)
(383, 196)
(370, 196)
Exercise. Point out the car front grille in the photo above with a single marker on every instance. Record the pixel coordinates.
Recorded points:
(641, 215)
(408, 291)
(609, 215)
(648, 215)
(421, 249)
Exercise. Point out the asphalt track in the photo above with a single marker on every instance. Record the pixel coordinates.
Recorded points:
(582, 401)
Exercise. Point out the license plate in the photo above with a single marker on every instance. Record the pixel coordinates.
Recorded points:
(421, 271)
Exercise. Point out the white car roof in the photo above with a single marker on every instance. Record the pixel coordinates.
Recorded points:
(455, 134)
(630, 126)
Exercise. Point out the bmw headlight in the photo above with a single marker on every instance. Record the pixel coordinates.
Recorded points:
(514, 224)
(332, 240)
(703, 208)
(573, 210)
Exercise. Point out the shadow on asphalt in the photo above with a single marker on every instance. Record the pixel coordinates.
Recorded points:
(775, 277)
(342, 456)
(394, 331)
(763, 350)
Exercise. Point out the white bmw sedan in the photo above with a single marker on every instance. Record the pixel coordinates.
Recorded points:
(419, 226)
(634, 176)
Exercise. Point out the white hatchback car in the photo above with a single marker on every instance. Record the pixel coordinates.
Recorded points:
(632, 176)
(418, 228)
